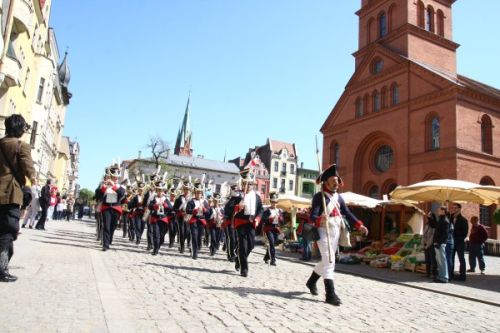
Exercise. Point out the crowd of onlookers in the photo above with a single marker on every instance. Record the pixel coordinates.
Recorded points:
(446, 235)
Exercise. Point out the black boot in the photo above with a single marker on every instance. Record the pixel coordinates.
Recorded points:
(311, 283)
(331, 297)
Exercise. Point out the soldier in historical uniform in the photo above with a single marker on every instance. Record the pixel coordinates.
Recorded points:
(248, 215)
(227, 225)
(332, 219)
(148, 196)
(197, 209)
(180, 212)
(158, 217)
(172, 221)
(111, 208)
(271, 219)
(137, 206)
(215, 222)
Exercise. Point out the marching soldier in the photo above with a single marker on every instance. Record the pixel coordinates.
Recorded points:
(111, 208)
(248, 214)
(227, 225)
(180, 212)
(271, 220)
(215, 222)
(148, 197)
(158, 206)
(137, 207)
(329, 225)
(172, 223)
(197, 209)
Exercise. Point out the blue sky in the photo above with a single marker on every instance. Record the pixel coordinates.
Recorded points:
(255, 69)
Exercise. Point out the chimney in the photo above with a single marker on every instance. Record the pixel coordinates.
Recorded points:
(302, 165)
(139, 155)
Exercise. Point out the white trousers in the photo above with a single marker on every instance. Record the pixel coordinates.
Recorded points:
(324, 267)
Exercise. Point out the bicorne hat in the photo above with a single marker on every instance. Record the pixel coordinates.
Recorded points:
(273, 197)
(327, 173)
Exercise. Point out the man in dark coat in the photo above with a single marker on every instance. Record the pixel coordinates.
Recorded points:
(44, 204)
(460, 231)
(15, 165)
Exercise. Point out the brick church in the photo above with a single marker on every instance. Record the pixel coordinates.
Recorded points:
(406, 115)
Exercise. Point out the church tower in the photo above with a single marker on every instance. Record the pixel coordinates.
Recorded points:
(184, 136)
(420, 30)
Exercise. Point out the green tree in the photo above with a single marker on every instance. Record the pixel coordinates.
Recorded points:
(86, 196)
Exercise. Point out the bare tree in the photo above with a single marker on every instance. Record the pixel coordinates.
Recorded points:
(159, 149)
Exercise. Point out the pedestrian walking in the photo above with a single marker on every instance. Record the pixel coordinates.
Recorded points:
(44, 200)
(441, 237)
(70, 202)
(33, 208)
(430, 255)
(271, 219)
(329, 227)
(477, 238)
(460, 231)
(15, 165)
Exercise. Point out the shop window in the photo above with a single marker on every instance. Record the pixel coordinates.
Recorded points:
(486, 135)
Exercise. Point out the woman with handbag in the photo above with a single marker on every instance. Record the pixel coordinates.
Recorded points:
(15, 165)
(326, 214)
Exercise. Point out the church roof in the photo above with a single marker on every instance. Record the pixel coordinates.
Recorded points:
(184, 136)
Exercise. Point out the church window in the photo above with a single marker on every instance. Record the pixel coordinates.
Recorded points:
(429, 19)
(359, 107)
(394, 94)
(383, 158)
(420, 14)
(435, 133)
(382, 25)
(374, 192)
(486, 135)
(365, 104)
(440, 23)
(376, 101)
(383, 97)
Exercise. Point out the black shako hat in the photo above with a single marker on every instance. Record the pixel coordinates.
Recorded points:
(327, 173)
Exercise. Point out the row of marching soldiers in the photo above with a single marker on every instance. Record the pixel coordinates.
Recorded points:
(183, 213)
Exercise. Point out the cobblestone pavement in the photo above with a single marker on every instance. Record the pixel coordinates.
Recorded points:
(66, 284)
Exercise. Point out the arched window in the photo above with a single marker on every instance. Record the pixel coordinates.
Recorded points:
(389, 186)
(376, 101)
(359, 107)
(420, 14)
(391, 16)
(374, 192)
(377, 65)
(440, 22)
(486, 135)
(382, 25)
(429, 19)
(394, 94)
(432, 132)
(335, 153)
(383, 97)
(369, 28)
(365, 104)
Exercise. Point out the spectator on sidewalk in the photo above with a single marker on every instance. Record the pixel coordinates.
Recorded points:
(460, 231)
(69, 207)
(44, 201)
(53, 203)
(303, 216)
(34, 207)
(15, 165)
(430, 254)
(441, 235)
(477, 238)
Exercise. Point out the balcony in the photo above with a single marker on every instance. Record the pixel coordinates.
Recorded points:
(24, 13)
(11, 72)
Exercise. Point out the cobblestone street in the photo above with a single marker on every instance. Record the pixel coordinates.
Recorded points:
(66, 284)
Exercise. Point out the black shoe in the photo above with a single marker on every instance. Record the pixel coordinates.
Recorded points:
(23, 226)
(195, 256)
(8, 278)
(137, 242)
(311, 283)
(459, 278)
(331, 296)
(439, 281)
(231, 259)
(31, 227)
(273, 262)
(170, 246)
(237, 264)
(244, 273)
(149, 248)
(181, 250)
(471, 270)
(266, 261)
(104, 249)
